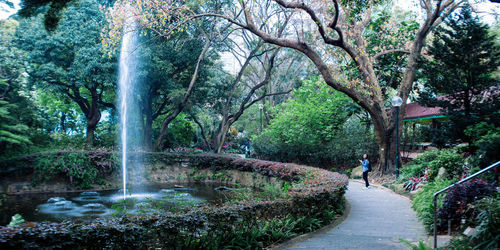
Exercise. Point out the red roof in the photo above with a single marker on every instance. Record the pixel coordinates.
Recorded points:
(414, 110)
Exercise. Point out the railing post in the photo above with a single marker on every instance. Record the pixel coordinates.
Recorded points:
(435, 220)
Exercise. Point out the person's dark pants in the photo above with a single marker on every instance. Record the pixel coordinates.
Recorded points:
(365, 177)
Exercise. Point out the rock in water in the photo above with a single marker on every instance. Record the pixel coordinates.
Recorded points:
(222, 188)
(55, 199)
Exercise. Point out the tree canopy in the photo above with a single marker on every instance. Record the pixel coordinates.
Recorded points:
(461, 71)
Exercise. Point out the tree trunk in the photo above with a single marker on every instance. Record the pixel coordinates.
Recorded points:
(187, 95)
(91, 127)
(385, 133)
(386, 154)
(93, 117)
(148, 134)
(148, 124)
(89, 140)
(221, 136)
(63, 122)
(202, 131)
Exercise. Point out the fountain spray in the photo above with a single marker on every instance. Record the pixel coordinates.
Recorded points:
(126, 80)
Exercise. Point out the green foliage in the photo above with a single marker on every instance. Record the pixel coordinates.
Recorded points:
(459, 243)
(487, 223)
(18, 109)
(70, 62)
(422, 202)
(167, 65)
(419, 246)
(10, 131)
(488, 233)
(409, 171)
(52, 14)
(389, 29)
(450, 159)
(488, 147)
(81, 169)
(311, 127)
(465, 59)
(16, 220)
(266, 191)
(180, 133)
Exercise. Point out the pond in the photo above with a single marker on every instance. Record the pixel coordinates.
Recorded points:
(91, 205)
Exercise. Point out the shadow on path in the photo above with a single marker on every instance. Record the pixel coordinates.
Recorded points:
(377, 219)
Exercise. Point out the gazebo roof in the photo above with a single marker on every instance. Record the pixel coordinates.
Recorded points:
(414, 111)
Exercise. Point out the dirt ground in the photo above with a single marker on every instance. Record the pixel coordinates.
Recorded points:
(381, 179)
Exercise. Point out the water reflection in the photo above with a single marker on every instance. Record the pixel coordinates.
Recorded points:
(91, 205)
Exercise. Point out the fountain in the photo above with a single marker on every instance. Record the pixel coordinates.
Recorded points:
(128, 61)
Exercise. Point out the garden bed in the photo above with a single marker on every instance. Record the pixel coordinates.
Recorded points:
(313, 197)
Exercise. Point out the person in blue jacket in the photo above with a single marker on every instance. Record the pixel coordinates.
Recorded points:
(366, 168)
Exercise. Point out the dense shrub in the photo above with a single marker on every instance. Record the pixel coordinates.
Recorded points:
(180, 132)
(339, 149)
(80, 169)
(488, 234)
(314, 194)
(413, 182)
(422, 202)
(487, 223)
(488, 147)
(316, 127)
(450, 159)
(459, 197)
(409, 171)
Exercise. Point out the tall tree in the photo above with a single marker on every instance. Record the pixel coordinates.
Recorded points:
(165, 72)
(167, 29)
(11, 130)
(322, 30)
(71, 60)
(250, 85)
(462, 67)
(17, 111)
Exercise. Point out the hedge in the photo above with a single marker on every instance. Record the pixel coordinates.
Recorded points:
(314, 192)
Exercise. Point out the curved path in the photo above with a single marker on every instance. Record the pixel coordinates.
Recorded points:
(378, 218)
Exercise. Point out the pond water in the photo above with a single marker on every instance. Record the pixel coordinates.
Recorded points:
(91, 205)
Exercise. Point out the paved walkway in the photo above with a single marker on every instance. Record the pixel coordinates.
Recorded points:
(378, 218)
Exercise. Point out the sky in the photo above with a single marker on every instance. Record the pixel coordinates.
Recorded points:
(485, 6)
(486, 9)
(5, 11)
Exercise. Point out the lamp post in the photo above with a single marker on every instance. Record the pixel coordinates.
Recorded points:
(396, 102)
(261, 106)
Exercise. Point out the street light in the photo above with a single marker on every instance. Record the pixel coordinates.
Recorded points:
(261, 107)
(396, 102)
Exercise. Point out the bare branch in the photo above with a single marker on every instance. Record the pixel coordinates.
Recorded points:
(315, 19)
(368, 15)
(267, 95)
(390, 51)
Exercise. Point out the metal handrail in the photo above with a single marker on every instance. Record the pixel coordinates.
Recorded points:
(446, 188)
